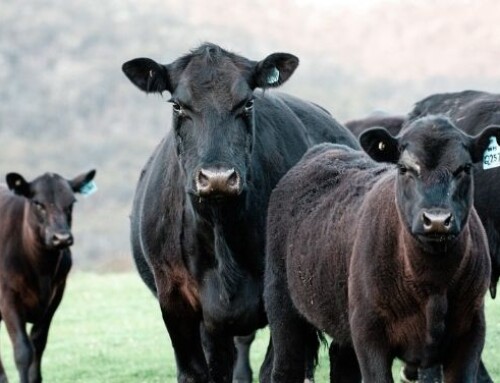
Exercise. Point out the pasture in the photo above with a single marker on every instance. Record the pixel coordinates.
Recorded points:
(109, 329)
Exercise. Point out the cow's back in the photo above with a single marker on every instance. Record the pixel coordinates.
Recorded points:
(286, 127)
(12, 212)
(472, 111)
(312, 220)
(318, 122)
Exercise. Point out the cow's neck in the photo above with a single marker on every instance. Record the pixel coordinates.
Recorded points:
(436, 310)
(228, 233)
(230, 271)
(227, 220)
(432, 271)
(429, 275)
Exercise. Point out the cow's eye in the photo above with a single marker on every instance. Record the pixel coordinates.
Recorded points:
(464, 169)
(402, 169)
(176, 107)
(39, 206)
(249, 105)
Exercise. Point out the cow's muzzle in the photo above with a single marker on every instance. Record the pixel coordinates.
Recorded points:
(218, 182)
(61, 240)
(437, 222)
(436, 225)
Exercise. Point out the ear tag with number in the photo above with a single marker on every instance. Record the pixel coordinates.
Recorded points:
(491, 156)
(88, 189)
(273, 77)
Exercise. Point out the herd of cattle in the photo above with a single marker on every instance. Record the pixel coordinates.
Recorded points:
(258, 208)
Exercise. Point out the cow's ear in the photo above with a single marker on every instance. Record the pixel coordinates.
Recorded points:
(380, 145)
(274, 70)
(84, 183)
(483, 141)
(19, 185)
(148, 75)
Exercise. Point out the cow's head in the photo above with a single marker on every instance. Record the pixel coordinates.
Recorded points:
(51, 198)
(213, 111)
(434, 182)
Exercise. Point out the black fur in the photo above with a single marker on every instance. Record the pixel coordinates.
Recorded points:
(348, 254)
(203, 255)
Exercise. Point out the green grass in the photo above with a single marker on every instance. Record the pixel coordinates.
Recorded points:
(109, 329)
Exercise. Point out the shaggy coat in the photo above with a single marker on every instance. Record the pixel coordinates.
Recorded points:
(389, 261)
(472, 111)
(198, 220)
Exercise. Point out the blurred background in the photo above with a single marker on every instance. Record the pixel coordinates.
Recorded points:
(66, 107)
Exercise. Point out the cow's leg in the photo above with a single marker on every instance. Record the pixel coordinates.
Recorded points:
(295, 346)
(182, 319)
(242, 371)
(411, 374)
(430, 375)
(220, 354)
(39, 334)
(295, 342)
(40, 329)
(267, 365)
(311, 361)
(461, 363)
(373, 353)
(23, 349)
(3, 376)
(344, 367)
(482, 375)
(184, 330)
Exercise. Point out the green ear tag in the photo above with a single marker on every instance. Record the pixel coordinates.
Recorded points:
(88, 189)
(491, 156)
(273, 76)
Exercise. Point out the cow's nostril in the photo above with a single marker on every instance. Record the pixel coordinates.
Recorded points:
(217, 182)
(427, 220)
(447, 221)
(203, 179)
(233, 180)
(62, 239)
(437, 221)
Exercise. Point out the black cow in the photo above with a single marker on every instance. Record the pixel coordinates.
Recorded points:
(198, 220)
(391, 261)
(35, 236)
(472, 111)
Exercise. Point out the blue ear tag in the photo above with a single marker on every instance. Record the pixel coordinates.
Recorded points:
(491, 156)
(88, 189)
(273, 77)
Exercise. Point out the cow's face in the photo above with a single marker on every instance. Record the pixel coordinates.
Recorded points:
(434, 181)
(51, 198)
(213, 112)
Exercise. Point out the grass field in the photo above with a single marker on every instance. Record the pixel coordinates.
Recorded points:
(109, 329)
